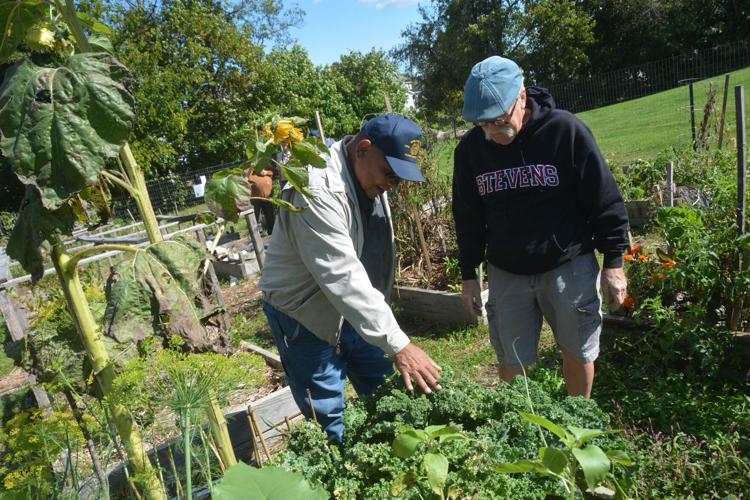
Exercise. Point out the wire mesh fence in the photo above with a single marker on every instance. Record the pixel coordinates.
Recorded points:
(649, 78)
(645, 127)
(172, 193)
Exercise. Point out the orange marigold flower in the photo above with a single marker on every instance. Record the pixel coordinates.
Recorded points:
(628, 258)
(629, 302)
(669, 265)
(643, 258)
(635, 250)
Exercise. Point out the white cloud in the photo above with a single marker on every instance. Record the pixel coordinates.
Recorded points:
(382, 4)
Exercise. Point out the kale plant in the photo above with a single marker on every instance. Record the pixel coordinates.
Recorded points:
(393, 445)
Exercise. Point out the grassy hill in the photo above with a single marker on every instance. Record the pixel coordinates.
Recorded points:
(644, 127)
(641, 128)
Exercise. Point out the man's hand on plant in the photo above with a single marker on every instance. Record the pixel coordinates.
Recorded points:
(415, 364)
(614, 287)
(471, 294)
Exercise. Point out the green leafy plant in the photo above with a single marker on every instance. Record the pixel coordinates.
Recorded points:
(481, 428)
(272, 483)
(229, 191)
(563, 464)
(434, 465)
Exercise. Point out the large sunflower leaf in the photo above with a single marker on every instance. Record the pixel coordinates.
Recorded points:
(34, 229)
(156, 292)
(60, 125)
(228, 196)
(269, 483)
(16, 17)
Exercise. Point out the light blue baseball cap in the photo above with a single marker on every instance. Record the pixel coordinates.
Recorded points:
(491, 89)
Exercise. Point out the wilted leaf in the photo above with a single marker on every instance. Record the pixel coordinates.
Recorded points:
(99, 199)
(158, 290)
(402, 483)
(60, 125)
(594, 463)
(270, 483)
(35, 227)
(436, 467)
(307, 154)
(228, 196)
(16, 17)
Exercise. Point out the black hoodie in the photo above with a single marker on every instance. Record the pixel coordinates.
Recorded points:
(538, 202)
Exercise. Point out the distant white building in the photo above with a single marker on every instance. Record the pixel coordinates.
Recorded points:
(412, 94)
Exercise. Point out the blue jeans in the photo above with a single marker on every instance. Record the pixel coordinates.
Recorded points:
(311, 363)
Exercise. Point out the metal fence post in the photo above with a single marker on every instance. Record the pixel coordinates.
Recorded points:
(692, 115)
(670, 184)
(735, 318)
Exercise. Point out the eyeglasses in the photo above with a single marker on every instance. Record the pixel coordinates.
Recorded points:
(503, 119)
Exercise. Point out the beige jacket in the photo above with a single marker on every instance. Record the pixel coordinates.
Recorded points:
(312, 270)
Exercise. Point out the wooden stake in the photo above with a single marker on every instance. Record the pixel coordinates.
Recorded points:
(735, 317)
(320, 127)
(288, 424)
(312, 408)
(256, 451)
(260, 434)
(723, 109)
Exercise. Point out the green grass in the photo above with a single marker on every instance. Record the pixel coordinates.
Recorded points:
(442, 155)
(642, 128)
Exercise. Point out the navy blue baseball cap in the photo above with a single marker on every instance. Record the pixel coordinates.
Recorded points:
(491, 89)
(400, 140)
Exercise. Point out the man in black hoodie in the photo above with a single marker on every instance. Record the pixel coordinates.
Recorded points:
(531, 188)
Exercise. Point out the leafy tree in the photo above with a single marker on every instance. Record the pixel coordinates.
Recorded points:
(196, 67)
(292, 85)
(559, 36)
(629, 32)
(365, 79)
(546, 38)
(451, 37)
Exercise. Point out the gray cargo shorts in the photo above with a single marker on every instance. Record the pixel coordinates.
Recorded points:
(567, 297)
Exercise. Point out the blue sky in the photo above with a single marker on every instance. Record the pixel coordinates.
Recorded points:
(335, 27)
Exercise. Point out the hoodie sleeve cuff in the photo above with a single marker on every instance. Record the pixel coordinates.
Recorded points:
(612, 260)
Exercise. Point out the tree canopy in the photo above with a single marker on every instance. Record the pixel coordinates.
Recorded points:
(556, 41)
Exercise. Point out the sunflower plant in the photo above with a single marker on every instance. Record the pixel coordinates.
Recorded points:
(278, 142)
